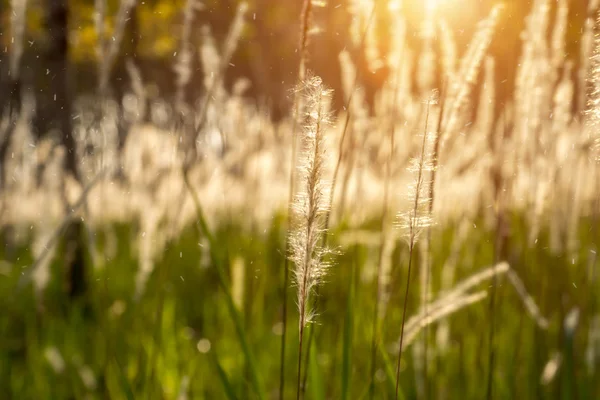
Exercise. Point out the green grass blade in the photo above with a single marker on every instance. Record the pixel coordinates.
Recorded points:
(233, 311)
(348, 336)
(390, 372)
(316, 375)
(229, 390)
(123, 381)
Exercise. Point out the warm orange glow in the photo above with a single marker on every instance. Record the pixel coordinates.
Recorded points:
(431, 5)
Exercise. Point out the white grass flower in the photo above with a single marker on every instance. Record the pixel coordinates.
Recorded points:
(312, 200)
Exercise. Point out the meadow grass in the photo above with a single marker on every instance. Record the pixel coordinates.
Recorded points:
(164, 270)
(112, 335)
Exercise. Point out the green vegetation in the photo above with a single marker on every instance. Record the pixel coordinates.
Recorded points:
(112, 336)
(430, 233)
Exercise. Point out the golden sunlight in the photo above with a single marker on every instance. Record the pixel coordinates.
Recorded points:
(431, 5)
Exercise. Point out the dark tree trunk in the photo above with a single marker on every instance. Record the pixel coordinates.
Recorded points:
(134, 26)
(12, 105)
(75, 260)
(10, 86)
(57, 82)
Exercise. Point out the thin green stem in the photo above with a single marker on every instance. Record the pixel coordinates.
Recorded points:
(299, 389)
(403, 319)
(412, 235)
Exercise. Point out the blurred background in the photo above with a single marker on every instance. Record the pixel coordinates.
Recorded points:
(267, 54)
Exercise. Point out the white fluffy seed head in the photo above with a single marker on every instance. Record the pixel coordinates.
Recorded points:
(312, 200)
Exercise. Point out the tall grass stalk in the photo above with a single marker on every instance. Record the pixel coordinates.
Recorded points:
(498, 181)
(448, 308)
(349, 327)
(592, 79)
(459, 290)
(72, 209)
(427, 263)
(310, 205)
(459, 90)
(348, 109)
(414, 223)
(230, 45)
(379, 295)
(491, 353)
(338, 163)
(305, 19)
(430, 204)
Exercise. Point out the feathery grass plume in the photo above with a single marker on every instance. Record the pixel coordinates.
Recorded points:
(593, 101)
(562, 124)
(457, 298)
(415, 221)
(435, 315)
(448, 48)
(533, 98)
(459, 290)
(592, 122)
(341, 153)
(592, 110)
(310, 205)
(485, 113)
(426, 80)
(562, 105)
(459, 90)
(586, 54)
(305, 30)
(557, 42)
(592, 113)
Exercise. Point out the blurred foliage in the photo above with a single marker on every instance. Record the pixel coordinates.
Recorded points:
(267, 55)
(178, 338)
